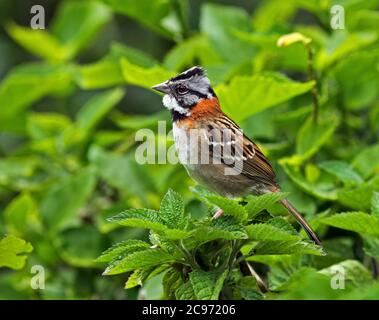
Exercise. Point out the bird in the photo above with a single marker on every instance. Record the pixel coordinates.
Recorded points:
(213, 148)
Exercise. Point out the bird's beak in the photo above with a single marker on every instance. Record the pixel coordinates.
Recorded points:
(162, 87)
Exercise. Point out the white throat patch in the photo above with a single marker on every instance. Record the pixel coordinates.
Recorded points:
(170, 103)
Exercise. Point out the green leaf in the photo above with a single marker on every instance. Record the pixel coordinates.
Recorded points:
(311, 136)
(139, 259)
(266, 232)
(46, 125)
(96, 108)
(122, 172)
(256, 204)
(144, 77)
(172, 210)
(371, 246)
(375, 203)
(28, 83)
(229, 206)
(77, 23)
(207, 285)
(185, 292)
(139, 276)
(22, 214)
(79, 246)
(359, 197)
(341, 170)
(157, 15)
(107, 71)
(12, 252)
(188, 51)
(353, 271)
(239, 99)
(172, 280)
(148, 219)
(121, 249)
(225, 227)
(39, 42)
(218, 22)
(60, 206)
(322, 190)
(287, 247)
(358, 80)
(367, 161)
(354, 221)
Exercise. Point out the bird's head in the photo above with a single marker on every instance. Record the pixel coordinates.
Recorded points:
(185, 90)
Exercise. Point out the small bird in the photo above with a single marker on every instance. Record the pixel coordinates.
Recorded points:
(236, 166)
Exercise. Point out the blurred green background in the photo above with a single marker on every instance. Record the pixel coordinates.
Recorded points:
(72, 97)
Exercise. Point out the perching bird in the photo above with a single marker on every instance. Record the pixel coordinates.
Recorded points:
(213, 148)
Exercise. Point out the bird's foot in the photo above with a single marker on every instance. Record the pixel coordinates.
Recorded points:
(218, 214)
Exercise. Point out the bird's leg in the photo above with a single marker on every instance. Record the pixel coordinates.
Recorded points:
(218, 213)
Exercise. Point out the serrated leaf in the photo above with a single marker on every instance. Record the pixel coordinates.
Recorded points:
(12, 252)
(121, 249)
(172, 210)
(354, 221)
(239, 98)
(185, 292)
(139, 259)
(267, 232)
(341, 170)
(207, 285)
(258, 203)
(224, 227)
(147, 219)
(229, 206)
(287, 247)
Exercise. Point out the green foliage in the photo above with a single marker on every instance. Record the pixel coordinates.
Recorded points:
(74, 95)
(12, 252)
(181, 252)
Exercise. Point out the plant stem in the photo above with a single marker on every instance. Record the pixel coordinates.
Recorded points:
(311, 76)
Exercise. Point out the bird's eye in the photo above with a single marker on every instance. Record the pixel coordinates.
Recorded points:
(181, 90)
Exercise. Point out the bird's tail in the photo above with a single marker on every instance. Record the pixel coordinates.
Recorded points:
(300, 219)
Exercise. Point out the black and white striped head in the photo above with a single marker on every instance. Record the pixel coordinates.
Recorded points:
(185, 90)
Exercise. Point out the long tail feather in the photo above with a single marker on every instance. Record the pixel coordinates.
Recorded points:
(300, 219)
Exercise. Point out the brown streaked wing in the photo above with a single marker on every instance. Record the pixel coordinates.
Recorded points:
(254, 165)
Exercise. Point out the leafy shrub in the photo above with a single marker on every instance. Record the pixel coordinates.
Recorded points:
(67, 144)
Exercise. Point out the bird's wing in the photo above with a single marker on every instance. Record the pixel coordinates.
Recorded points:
(228, 145)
